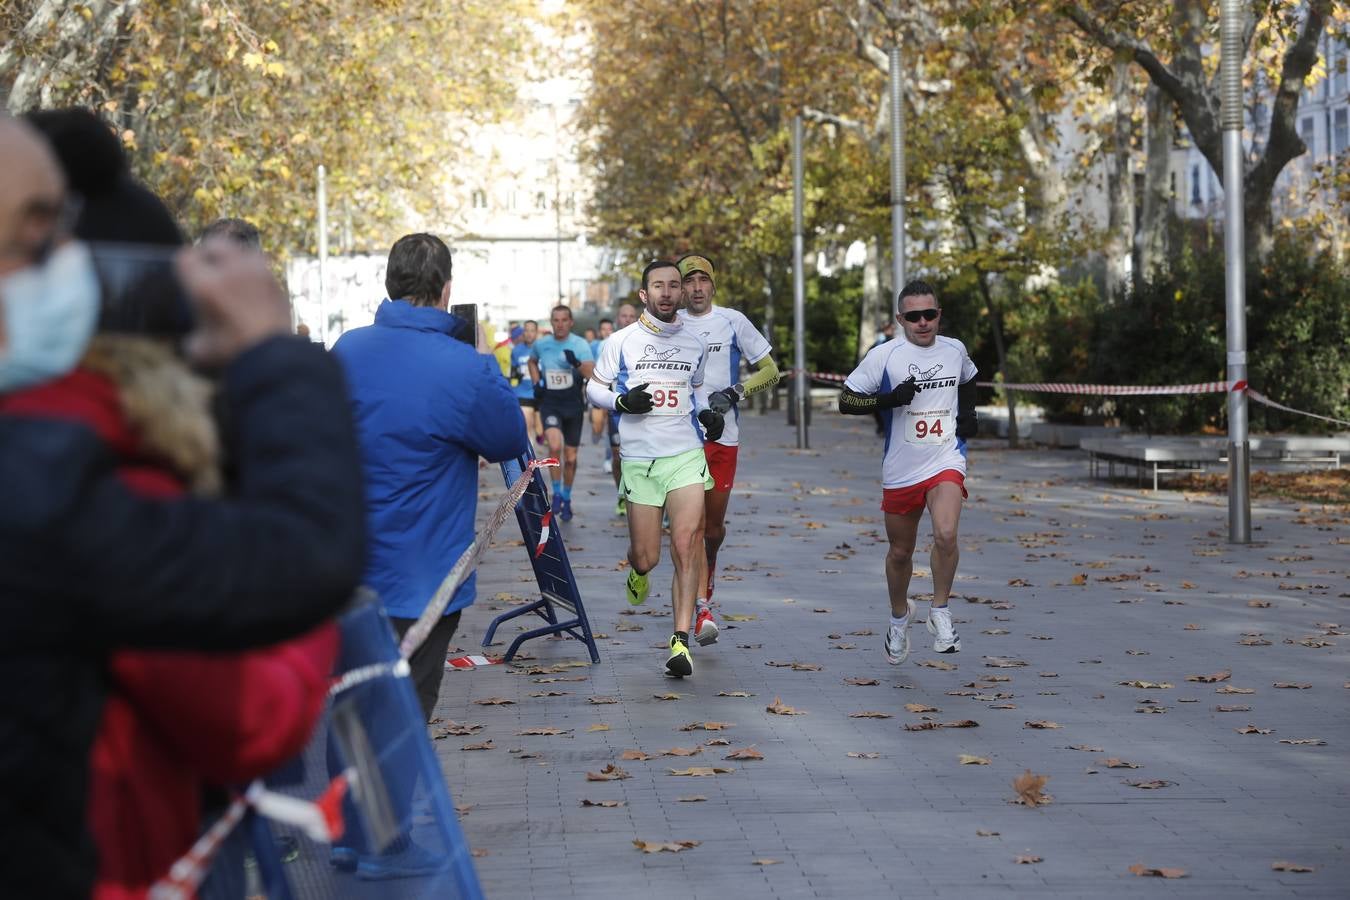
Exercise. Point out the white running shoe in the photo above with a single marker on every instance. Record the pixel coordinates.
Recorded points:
(945, 638)
(609, 467)
(897, 638)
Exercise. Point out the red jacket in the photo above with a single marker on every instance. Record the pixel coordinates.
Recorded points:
(175, 722)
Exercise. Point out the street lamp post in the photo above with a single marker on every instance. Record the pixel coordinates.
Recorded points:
(897, 179)
(1231, 14)
(798, 288)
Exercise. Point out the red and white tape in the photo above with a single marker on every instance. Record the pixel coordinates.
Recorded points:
(321, 820)
(468, 560)
(1122, 390)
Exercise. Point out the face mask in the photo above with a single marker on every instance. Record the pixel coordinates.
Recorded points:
(50, 311)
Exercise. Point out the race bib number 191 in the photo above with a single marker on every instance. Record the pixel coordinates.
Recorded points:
(932, 426)
(670, 398)
(558, 379)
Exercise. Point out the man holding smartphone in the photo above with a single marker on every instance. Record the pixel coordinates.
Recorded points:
(427, 405)
(924, 387)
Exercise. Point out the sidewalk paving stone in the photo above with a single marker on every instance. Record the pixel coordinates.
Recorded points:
(1093, 583)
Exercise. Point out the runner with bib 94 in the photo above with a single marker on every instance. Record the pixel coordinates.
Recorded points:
(924, 387)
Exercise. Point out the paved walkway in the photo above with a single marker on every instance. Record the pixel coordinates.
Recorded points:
(1079, 586)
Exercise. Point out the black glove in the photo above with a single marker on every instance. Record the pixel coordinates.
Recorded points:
(636, 402)
(722, 401)
(967, 425)
(902, 395)
(572, 359)
(539, 391)
(712, 423)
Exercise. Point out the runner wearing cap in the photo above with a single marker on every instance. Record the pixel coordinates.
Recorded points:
(559, 364)
(521, 378)
(626, 315)
(731, 338)
(652, 373)
(924, 386)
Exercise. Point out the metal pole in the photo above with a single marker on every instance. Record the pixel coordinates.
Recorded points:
(798, 287)
(897, 179)
(1230, 78)
(323, 255)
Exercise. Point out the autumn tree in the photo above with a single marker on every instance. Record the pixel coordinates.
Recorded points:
(228, 108)
(1177, 44)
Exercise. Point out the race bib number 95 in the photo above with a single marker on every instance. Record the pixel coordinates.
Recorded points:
(558, 379)
(933, 426)
(670, 398)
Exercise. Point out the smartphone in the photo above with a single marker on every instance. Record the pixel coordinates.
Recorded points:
(467, 313)
(140, 292)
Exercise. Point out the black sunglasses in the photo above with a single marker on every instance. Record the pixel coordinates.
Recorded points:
(915, 315)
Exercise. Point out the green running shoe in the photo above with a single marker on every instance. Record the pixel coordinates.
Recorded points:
(621, 508)
(638, 588)
(680, 664)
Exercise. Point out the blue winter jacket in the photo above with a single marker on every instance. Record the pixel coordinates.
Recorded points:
(426, 407)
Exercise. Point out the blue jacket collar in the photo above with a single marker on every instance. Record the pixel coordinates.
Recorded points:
(402, 314)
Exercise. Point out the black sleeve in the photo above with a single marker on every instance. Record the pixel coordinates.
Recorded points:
(966, 424)
(851, 403)
(86, 563)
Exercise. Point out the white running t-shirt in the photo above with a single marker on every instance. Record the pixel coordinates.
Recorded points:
(920, 437)
(730, 338)
(670, 359)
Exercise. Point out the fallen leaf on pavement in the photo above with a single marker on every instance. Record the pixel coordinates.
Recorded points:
(1146, 685)
(1139, 869)
(779, 708)
(929, 726)
(703, 771)
(1253, 641)
(1152, 785)
(1211, 679)
(459, 729)
(599, 726)
(980, 832)
(706, 726)
(766, 862)
(1030, 788)
(861, 682)
(869, 714)
(637, 755)
(1290, 867)
(696, 798)
(744, 753)
(610, 772)
(550, 693)
(1027, 859)
(734, 617)
(1019, 582)
(1114, 763)
(1085, 748)
(544, 730)
(1252, 729)
(1312, 742)
(921, 708)
(1259, 604)
(1298, 686)
(494, 701)
(969, 760)
(795, 666)
(486, 745)
(937, 664)
(479, 853)
(607, 804)
(1001, 662)
(1042, 723)
(670, 846)
(1229, 689)
(853, 754)
(667, 696)
(683, 751)
(602, 701)
(734, 694)
(1079, 579)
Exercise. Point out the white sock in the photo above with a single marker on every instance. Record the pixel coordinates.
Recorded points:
(900, 622)
(700, 603)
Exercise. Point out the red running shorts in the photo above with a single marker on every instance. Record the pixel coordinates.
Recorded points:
(721, 465)
(902, 501)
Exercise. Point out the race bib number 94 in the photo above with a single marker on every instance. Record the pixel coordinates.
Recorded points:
(558, 379)
(670, 398)
(933, 426)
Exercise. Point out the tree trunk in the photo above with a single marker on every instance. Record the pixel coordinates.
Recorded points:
(996, 322)
(873, 308)
(1119, 187)
(1156, 212)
